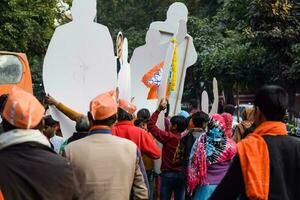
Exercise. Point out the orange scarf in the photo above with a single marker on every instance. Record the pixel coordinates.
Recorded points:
(255, 160)
(1, 196)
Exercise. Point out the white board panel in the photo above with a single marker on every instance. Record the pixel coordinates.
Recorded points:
(79, 63)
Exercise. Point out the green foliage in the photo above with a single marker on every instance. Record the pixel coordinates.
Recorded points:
(250, 42)
(26, 26)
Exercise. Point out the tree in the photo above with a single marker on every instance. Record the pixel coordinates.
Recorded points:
(253, 43)
(27, 26)
(250, 42)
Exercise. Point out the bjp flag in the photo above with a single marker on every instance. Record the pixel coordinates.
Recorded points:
(152, 79)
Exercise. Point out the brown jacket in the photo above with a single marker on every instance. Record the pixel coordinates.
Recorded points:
(107, 167)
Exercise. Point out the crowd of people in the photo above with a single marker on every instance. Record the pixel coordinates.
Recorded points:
(113, 153)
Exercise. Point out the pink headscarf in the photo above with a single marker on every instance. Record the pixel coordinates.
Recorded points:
(228, 124)
(197, 169)
(225, 121)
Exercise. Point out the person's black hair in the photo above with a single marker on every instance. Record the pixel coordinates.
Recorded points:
(143, 113)
(181, 123)
(272, 101)
(229, 108)
(8, 126)
(138, 122)
(49, 121)
(82, 124)
(105, 122)
(193, 103)
(199, 118)
(123, 115)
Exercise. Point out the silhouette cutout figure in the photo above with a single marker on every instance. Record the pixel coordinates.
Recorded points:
(124, 78)
(79, 63)
(142, 60)
(205, 100)
(176, 12)
(177, 16)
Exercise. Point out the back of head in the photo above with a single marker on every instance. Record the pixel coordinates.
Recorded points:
(229, 108)
(123, 115)
(138, 122)
(125, 110)
(217, 119)
(180, 122)
(144, 113)
(199, 118)
(228, 124)
(272, 101)
(49, 121)
(193, 104)
(216, 127)
(103, 109)
(82, 124)
(22, 110)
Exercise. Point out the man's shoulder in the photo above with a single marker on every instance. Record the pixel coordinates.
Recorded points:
(138, 129)
(285, 138)
(80, 142)
(123, 141)
(283, 142)
(108, 138)
(31, 151)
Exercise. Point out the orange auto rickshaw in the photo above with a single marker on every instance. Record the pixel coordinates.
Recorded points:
(14, 71)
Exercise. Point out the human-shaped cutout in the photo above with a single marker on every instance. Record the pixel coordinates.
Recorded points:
(180, 37)
(205, 100)
(79, 62)
(124, 77)
(176, 12)
(177, 17)
(142, 60)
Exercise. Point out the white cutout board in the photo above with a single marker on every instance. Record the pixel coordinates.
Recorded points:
(124, 77)
(215, 105)
(155, 51)
(79, 63)
(175, 25)
(205, 100)
(142, 60)
(159, 48)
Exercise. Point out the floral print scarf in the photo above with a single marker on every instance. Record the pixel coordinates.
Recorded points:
(211, 148)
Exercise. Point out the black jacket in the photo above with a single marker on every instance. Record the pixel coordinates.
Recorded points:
(284, 152)
(33, 171)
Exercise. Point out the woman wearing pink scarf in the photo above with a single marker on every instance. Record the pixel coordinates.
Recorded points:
(210, 157)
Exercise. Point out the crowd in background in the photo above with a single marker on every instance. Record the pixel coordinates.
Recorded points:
(115, 148)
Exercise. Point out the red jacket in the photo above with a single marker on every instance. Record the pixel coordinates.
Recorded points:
(170, 142)
(144, 141)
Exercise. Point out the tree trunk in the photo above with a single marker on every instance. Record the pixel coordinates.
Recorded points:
(229, 95)
(292, 99)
